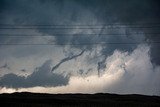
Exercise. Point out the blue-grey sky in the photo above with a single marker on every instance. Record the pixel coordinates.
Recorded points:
(61, 46)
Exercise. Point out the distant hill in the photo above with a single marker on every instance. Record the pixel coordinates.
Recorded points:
(26, 99)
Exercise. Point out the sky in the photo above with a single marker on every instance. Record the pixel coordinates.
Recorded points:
(80, 46)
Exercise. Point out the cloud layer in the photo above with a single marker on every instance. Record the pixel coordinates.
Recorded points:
(97, 47)
(124, 73)
(42, 76)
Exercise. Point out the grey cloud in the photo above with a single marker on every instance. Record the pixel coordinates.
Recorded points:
(42, 76)
(90, 12)
(83, 12)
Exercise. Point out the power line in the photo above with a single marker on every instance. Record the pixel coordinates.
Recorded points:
(102, 43)
(98, 24)
(62, 28)
(94, 34)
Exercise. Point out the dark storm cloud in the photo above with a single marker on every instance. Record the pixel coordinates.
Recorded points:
(71, 14)
(42, 76)
(90, 12)
(125, 11)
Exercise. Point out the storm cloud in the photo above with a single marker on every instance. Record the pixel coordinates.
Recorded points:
(42, 76)
(99, 40)
(124, 73)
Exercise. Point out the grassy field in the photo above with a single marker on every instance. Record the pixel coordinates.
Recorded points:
(77, 100)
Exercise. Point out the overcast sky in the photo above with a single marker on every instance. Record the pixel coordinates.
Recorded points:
(80, 46)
